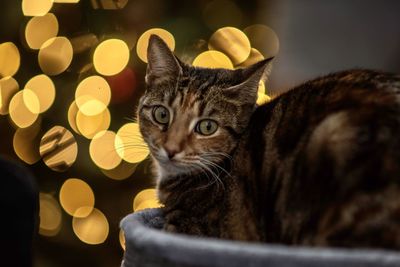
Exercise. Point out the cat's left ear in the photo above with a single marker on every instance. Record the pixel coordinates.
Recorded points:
(250, 77)
(162, 63)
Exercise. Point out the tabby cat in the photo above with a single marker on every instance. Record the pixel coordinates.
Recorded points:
(318, 165)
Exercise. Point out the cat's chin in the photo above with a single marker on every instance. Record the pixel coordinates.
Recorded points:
(168, 169)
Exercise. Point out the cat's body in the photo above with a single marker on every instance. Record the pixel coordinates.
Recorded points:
(318, 165)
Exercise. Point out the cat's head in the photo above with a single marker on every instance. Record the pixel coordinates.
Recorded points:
(191, 117)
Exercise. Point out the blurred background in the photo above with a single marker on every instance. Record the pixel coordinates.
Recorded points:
(72, 72)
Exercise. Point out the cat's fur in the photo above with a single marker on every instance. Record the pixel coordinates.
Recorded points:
(318, 165)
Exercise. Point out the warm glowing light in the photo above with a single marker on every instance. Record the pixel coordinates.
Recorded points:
(26, 143)
(264, 39)
(58, 149)
(130, 145)
(55, 55)
(76, 197)
(144, 198)
(121, 238)
(40, 29)
(254, 57)
(143, 41)
(8, 87)
(92, 229)
(232, 42)
(102, 150)
(72, 112)
(107, 63)
(50, 215)
(44, 89)
(89, 126)
(36, 7)
(31, 100)
(213, 59)
(20, 114)
(148, 204)
(261, 88)
(123, 171)
(230, 15)
(92, 95)
(9, 59)
(262, 99)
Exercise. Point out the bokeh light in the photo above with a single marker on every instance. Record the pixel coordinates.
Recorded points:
(26, 143)
(92, 95)
(50, 215)
(130, 145)
(123, 171)
(55, 55)
(77, 197)
(102, 150)
(58, 149)
(143, 41)
(111, 57)
(36, 7)
(264, 39)
(89, 126)
(232, 42)
(8, 88)
(72, 112)
(66, 1)
(44, 89)
(9, 59)
(146, 199)
(40, 29)
(254, 57)
(20, 114)
(121, 237)
(212, 59)
(92, 229)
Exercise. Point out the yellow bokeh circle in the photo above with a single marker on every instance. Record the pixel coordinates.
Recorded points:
(76, 197)
(36, 7)
(44, 89)
(232, 42)
(143, 41)
(89, 126)
(10, 59)
(102, 150)
(93, 95)
(130, 144)
(8, 88)
(111, 57)
(92, 229)
(50, 215)
(213, 59)
(55, 55)
(40, 29)
(20, 114)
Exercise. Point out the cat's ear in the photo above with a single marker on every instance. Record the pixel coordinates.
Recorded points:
(162, 63)
(250, 77)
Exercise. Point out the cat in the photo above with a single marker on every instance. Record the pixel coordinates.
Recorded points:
(318, 165)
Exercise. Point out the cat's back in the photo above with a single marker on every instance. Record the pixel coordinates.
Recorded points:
(324, 159)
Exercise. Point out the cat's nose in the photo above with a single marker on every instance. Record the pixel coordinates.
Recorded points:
(171, 152)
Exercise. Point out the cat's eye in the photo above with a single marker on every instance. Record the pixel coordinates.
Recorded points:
(161, 114)
(206, 127)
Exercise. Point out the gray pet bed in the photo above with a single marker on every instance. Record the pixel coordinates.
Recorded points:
(147, 245)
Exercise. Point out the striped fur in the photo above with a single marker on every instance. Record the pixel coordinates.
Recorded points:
(318, 165)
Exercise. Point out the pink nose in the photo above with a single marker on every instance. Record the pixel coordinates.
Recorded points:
(171, 151)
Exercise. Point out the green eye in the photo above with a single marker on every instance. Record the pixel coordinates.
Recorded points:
(161, 114)
(206, 127)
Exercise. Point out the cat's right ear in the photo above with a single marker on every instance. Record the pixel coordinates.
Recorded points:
(162, 64)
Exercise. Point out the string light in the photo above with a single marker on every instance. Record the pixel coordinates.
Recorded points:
(130, 145)
(213, 59)
(10, 59)
(44, 89)
(89, 126)
(20, 114)
(77, 198)
(92, 229)
(55, 55)
(40, 29)
(36, 7)
(232, 42)
(102, 150)
(26, 143)
(8, 87)
(92, 95)
(50, 215)
(107, 63)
